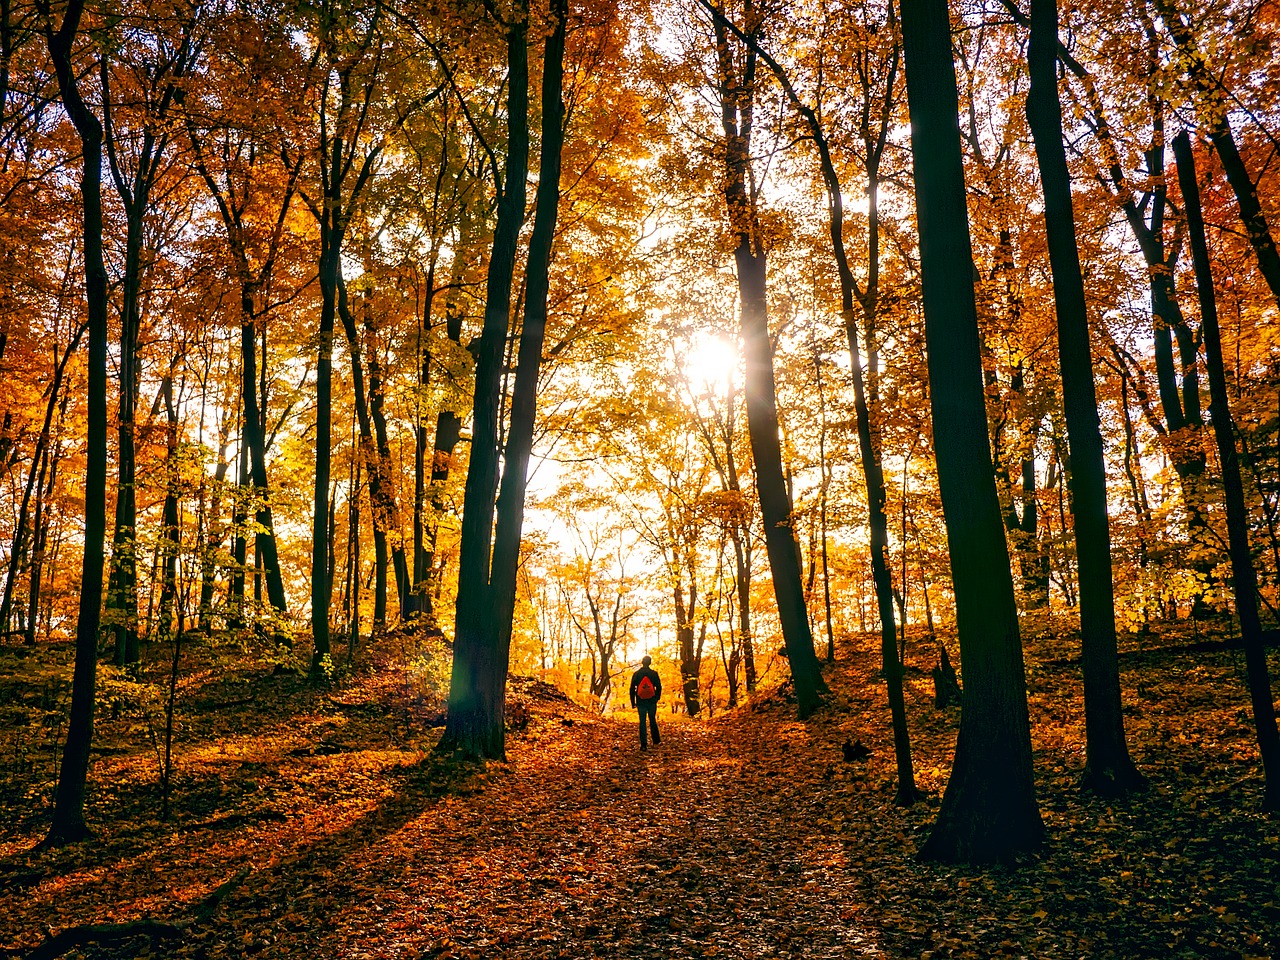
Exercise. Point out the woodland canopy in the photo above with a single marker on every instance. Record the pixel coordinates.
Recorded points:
(526, 337)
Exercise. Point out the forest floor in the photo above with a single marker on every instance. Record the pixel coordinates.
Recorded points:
(313, 823)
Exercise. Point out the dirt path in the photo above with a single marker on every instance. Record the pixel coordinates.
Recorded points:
(586, 847)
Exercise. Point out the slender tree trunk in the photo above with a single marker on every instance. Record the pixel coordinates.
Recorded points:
(39, 455)
(240, 541)
(775, 504)
(390, 519)
(169, 535)
(330, 277)
(122, 597)
(989, 810)
(447, 433)
(254, 440)
(41, 532)
(736, 96)
(690, 666)
(1242, 569)
(1108, 769)
(68, 824)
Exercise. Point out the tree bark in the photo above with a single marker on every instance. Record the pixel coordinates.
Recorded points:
(736, 107)
(1108, 769)
(1242, 569)
(989, 810)
(330, 276)
(474, 727)
(68, 824)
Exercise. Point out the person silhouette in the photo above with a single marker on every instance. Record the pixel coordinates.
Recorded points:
(646, 691)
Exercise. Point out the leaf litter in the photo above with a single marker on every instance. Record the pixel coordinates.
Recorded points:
(747, 836)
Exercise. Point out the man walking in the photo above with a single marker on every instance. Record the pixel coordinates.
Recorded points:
(646, 690)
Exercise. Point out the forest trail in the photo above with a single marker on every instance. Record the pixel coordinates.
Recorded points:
(587, 847)
(743, 836)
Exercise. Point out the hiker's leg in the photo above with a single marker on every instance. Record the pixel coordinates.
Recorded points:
(644, 738)
(653, 724)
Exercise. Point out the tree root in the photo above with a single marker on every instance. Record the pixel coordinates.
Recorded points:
(57, 944)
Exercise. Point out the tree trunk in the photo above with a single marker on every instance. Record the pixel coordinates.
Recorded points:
(255, 440)
(1242, 569)
(240, 542)
(690, 664)
(68, 824)
(775, 504)
(122, 596)
(1108, 769)
(989, 810)
(524, 397)
(330, 277)
(474, 727)
(872, 471)
(39, 456)
(169, 534)
(382, 505)
(736, 108)
(390, 512)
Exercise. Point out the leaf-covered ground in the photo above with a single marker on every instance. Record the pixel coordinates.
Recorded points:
(746, 836)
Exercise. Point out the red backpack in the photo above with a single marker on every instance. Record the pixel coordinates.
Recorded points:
(646, 690)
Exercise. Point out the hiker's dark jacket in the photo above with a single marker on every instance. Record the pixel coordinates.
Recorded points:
(653, 678)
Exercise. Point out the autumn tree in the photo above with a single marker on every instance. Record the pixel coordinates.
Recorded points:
(1242, 569)
(736, 89)
(68, 824)
(139, 94)
(989, 808)
(252, 183)
(875, 129)
(1108, 769)
(491, 545)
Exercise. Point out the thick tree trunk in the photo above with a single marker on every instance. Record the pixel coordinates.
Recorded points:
(1108, 769)
(524, 396)
(68, 813)
(474, 728)
(1242, 569)
(989, 810)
